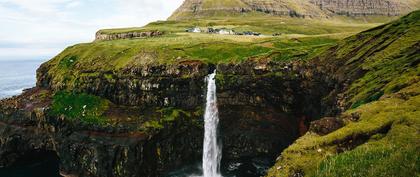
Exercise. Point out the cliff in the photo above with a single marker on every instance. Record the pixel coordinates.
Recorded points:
(366, 8)
(302, 8)
(211, 8)
(131, 108)
(167, 132)
(103, 35)
(376, 133)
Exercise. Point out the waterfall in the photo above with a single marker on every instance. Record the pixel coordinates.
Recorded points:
(212, 153)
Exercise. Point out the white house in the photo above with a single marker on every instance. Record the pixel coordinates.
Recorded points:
(226, 31)
(194, 30)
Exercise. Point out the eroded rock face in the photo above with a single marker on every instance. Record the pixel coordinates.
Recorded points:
(326, 125)
(87, 151)
(363, 7)
(100, 36)
(179, 85)
(306, 8)
(204, 8)
(263, 106)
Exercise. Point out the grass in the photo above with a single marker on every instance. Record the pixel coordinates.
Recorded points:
(266, 25)
(389, 57)
(300, 39)
(385, 141)
(82, 107)
(391, 153)
(376, 159)
(68, 68)
(168, 115)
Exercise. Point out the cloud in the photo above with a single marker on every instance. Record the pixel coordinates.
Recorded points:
(45, 27)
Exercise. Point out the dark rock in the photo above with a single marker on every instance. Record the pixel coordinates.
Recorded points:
(100, 36)
(326, 125)
(353, 117)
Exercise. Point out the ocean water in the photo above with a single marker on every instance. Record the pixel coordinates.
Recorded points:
(17, 75)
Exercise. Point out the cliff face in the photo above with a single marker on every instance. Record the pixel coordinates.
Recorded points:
(83, 150)
(302, 8)
(153, 93)
(377, 73)
(263, 107)
(361, 7)
(101, 36)
(208, 8)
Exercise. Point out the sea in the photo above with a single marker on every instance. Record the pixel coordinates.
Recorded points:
(17, 75)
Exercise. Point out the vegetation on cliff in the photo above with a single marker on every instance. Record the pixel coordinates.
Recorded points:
(136, 103)
(298, 39)
(82, 107)
(384, 142)
(386, 96)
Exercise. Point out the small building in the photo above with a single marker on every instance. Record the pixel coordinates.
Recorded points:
(250, 33)
(211, 30)
(193, 30)
(224, 31)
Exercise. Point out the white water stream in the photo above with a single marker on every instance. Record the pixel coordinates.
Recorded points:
(212, 152)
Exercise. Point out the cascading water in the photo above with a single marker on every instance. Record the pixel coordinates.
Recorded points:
(212, 153)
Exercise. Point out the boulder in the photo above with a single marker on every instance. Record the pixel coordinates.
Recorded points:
(326, 125)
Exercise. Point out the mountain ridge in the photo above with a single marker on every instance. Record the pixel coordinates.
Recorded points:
(300, 8)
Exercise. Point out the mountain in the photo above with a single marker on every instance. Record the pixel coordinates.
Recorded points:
(294, 8)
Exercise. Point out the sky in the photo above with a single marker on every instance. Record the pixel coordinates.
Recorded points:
(40, 29)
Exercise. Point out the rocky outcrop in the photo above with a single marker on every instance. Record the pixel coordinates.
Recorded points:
(102, 36)
(177, 85)
(94, 151)
(362, 7)
(205, 8)
(326, 125)
(263, 106)
(306, 8)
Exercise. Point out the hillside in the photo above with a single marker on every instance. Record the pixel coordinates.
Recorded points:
(300, 8)
(381, 119)
(330, 94)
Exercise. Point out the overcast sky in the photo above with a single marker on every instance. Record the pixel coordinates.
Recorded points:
(40, 29)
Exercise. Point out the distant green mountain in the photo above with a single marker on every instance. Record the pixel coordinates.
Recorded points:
(296, 8)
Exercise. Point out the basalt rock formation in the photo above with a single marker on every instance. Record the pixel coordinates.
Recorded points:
(91, 150)
(102, 36)
(153, 110)
(303, 8)
(260, 107)
(366, 8)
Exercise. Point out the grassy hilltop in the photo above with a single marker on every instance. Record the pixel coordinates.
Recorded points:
(298, 39)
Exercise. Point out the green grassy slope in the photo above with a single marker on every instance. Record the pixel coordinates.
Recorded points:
(299, 39)
(264, 24)
(386, 140)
